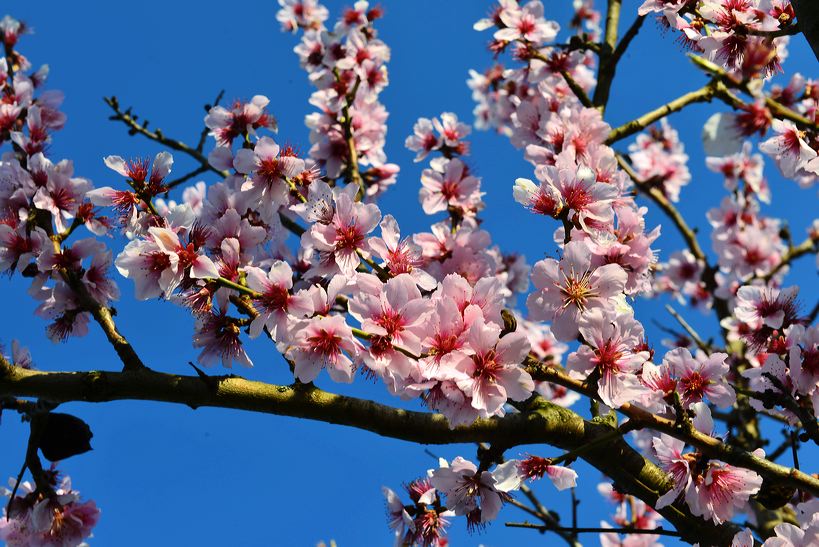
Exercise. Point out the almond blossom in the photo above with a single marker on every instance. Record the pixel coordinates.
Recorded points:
(613, 353)
(568, 289)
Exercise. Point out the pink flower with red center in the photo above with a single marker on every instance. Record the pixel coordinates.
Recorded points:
(159, 264)
(397, 517)
(345, 236)
(535, 467)
(219, 336)
(804, 360)
(140, 173)
(700, 377)
(323, 342)
(590, 201)
(447, 333)
(611, 340)
(269, 167)
(125, 203)
(451, 130)
(276, 305)
(493, 369)
(296, 14)
(448, 184)
(526, 23)
(61, 196)
(760, 307)
(423, 140)
(19, 245)
(395, 314)
(55, 521)
(788, 148)
(400, 256)
(469, 491)
(568, 289)
(241, 119)
(721, 491)
(542, 199)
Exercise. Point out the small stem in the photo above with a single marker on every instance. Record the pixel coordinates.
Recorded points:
(688, 329)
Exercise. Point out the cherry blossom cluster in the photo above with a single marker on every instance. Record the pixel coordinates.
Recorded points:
(658, 156)
(347, 65)
(741, 36)
(294, 248)
(58, 519)
(461, 488)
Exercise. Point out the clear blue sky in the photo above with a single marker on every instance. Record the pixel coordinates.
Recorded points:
(168, 475)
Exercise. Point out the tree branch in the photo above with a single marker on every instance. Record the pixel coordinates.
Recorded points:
(777, 109)
(704, 94)
(541, 422)
(807, 20)
(668, 208)
(608, 65)
(707, 444)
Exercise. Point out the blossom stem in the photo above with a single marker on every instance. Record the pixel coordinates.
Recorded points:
(236, 287)
(627, 38)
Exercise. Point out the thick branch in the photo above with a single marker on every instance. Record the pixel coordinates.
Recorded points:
(608, 64)
(807, 19)
(542, 422)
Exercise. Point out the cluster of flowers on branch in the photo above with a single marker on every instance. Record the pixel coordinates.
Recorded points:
(294, 248)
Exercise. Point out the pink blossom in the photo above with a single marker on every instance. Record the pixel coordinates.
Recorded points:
(613, 341)
(448, 184)
(423, 140)
(764, 306)
(588, 200)
(468, 492)
(400, 256)
(275, 303)
(323, 342)
(526, 23)
(269, 168)
(344, 237)
(704, 376)
(788, 148)
(569, 288)
(219, 337)
(494, 368)
(37, 521)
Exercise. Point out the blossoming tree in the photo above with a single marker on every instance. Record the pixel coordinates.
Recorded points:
(293, 248)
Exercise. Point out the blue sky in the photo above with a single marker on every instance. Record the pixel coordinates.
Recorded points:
(167, 475)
